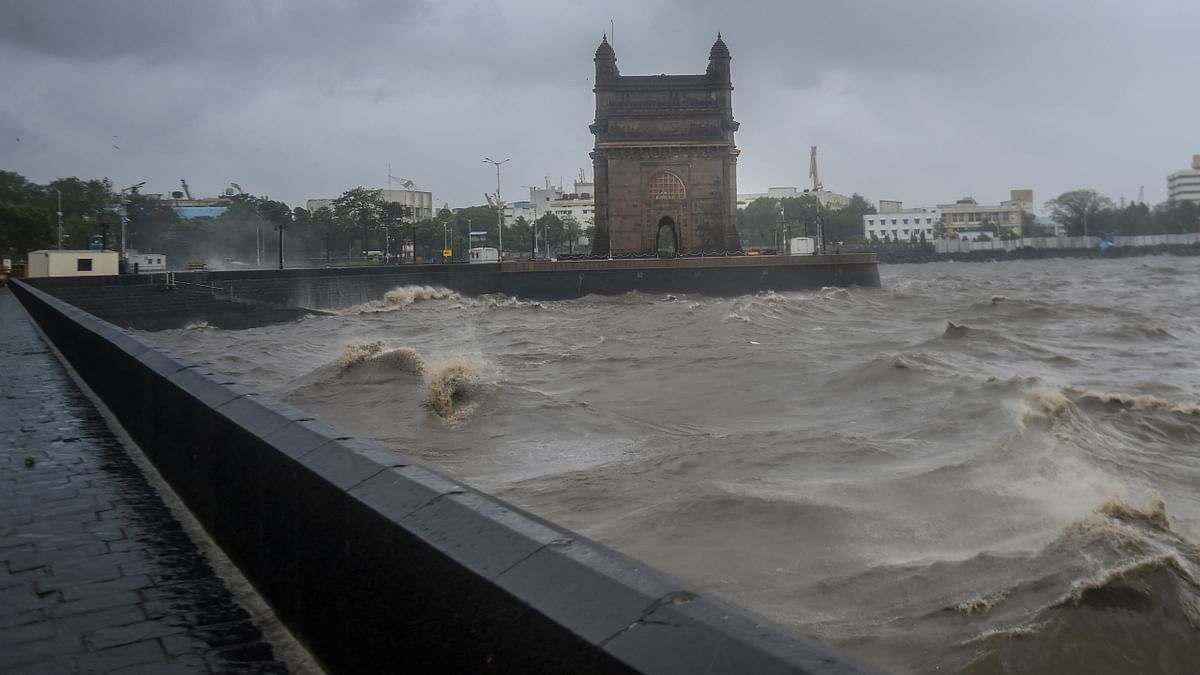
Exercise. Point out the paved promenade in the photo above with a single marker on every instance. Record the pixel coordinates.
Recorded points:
(96, 576)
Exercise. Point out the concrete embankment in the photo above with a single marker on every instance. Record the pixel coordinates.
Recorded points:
(379, 564)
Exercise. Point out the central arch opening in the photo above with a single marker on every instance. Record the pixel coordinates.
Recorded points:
(667, 243)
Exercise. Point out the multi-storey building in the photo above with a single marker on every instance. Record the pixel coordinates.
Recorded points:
(969, 215)
(578, 204)
(900, 224)
(1185, 185)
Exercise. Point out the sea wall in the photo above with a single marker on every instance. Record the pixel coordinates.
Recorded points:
(742, 275)
(243, 298)
(379, 564)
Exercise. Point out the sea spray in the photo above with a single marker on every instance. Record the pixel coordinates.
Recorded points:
(358, 351)
(401, 297)
(451, 381)
(403, 359)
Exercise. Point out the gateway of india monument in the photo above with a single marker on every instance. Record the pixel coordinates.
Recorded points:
(665, 163)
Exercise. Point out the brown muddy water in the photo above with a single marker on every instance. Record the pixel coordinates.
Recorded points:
(981, 468)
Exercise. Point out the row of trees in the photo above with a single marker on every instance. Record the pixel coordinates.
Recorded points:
(358, 221)
(765, 222)
(1088, 212)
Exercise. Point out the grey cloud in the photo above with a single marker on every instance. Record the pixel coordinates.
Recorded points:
(925, 100)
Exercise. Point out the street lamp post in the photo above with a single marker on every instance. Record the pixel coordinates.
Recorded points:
(499, 205)
(280, 226)
(533, 230)
(59, 218)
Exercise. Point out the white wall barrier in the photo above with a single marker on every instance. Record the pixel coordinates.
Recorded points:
(964, 245)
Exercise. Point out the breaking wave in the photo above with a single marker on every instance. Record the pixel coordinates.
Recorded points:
(399, 298)
(452, 383)
(1134, 598)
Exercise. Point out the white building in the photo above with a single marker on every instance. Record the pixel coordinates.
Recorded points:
(73, 263)
(579, 205)
(1185, 185)
(141, 263)
(900, 224)
(827, 198)
(419, 202)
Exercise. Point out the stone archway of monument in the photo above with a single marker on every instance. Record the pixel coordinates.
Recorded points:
(667, 237)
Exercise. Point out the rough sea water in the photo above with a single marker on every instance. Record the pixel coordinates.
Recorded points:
(980, 468)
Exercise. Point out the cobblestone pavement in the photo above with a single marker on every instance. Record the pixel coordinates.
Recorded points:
(96, 575)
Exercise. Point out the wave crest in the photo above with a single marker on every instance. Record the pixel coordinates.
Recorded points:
(401, 297)
(452, 382)
(358, 351)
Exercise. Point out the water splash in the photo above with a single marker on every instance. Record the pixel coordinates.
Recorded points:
(399, 298)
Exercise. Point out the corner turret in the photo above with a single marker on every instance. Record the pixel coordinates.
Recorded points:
(718, 61)
(606, 62)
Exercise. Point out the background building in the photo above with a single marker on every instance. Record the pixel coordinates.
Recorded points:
(419, 201)
(967, 214)
(900, 224)
(578, 204)
(827, 198)
(1185, 185)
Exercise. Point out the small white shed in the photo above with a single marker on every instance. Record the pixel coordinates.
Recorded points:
(72, 263)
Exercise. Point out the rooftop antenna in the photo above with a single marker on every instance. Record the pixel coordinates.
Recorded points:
(612, 33)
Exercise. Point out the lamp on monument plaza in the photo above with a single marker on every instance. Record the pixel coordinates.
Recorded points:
(280, 226)
(499, 206)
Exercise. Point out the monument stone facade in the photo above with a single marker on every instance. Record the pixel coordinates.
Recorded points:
(664, 161)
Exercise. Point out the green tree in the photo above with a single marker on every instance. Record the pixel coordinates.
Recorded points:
(478, 219)
(360, 212)
(1178, 217)
(1077, 211)
(570, 229)
(147, 222)
(87, 205)
(323, 234)
(847, 224)
(16, 189)
(520, 235)
(24, 228)
(758, 222)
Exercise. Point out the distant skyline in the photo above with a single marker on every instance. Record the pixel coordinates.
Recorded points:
(925, 101)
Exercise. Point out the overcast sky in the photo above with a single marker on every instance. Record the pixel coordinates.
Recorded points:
(921, 100)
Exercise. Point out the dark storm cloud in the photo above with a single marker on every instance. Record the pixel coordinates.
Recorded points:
(925, 101)
(159, 31)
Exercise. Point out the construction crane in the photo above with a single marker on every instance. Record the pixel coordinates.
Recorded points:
(237, 187)
(812, 170)
(186, 191)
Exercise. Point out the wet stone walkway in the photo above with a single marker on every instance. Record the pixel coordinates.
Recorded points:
(96, 575)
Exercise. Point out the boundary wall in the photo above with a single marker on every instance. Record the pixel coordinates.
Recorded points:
(378, 564)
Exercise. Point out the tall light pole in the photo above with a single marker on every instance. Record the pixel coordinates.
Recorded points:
(499, 205)
(59, 218)
(122, 201)
(533, 230)
(280, 226)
